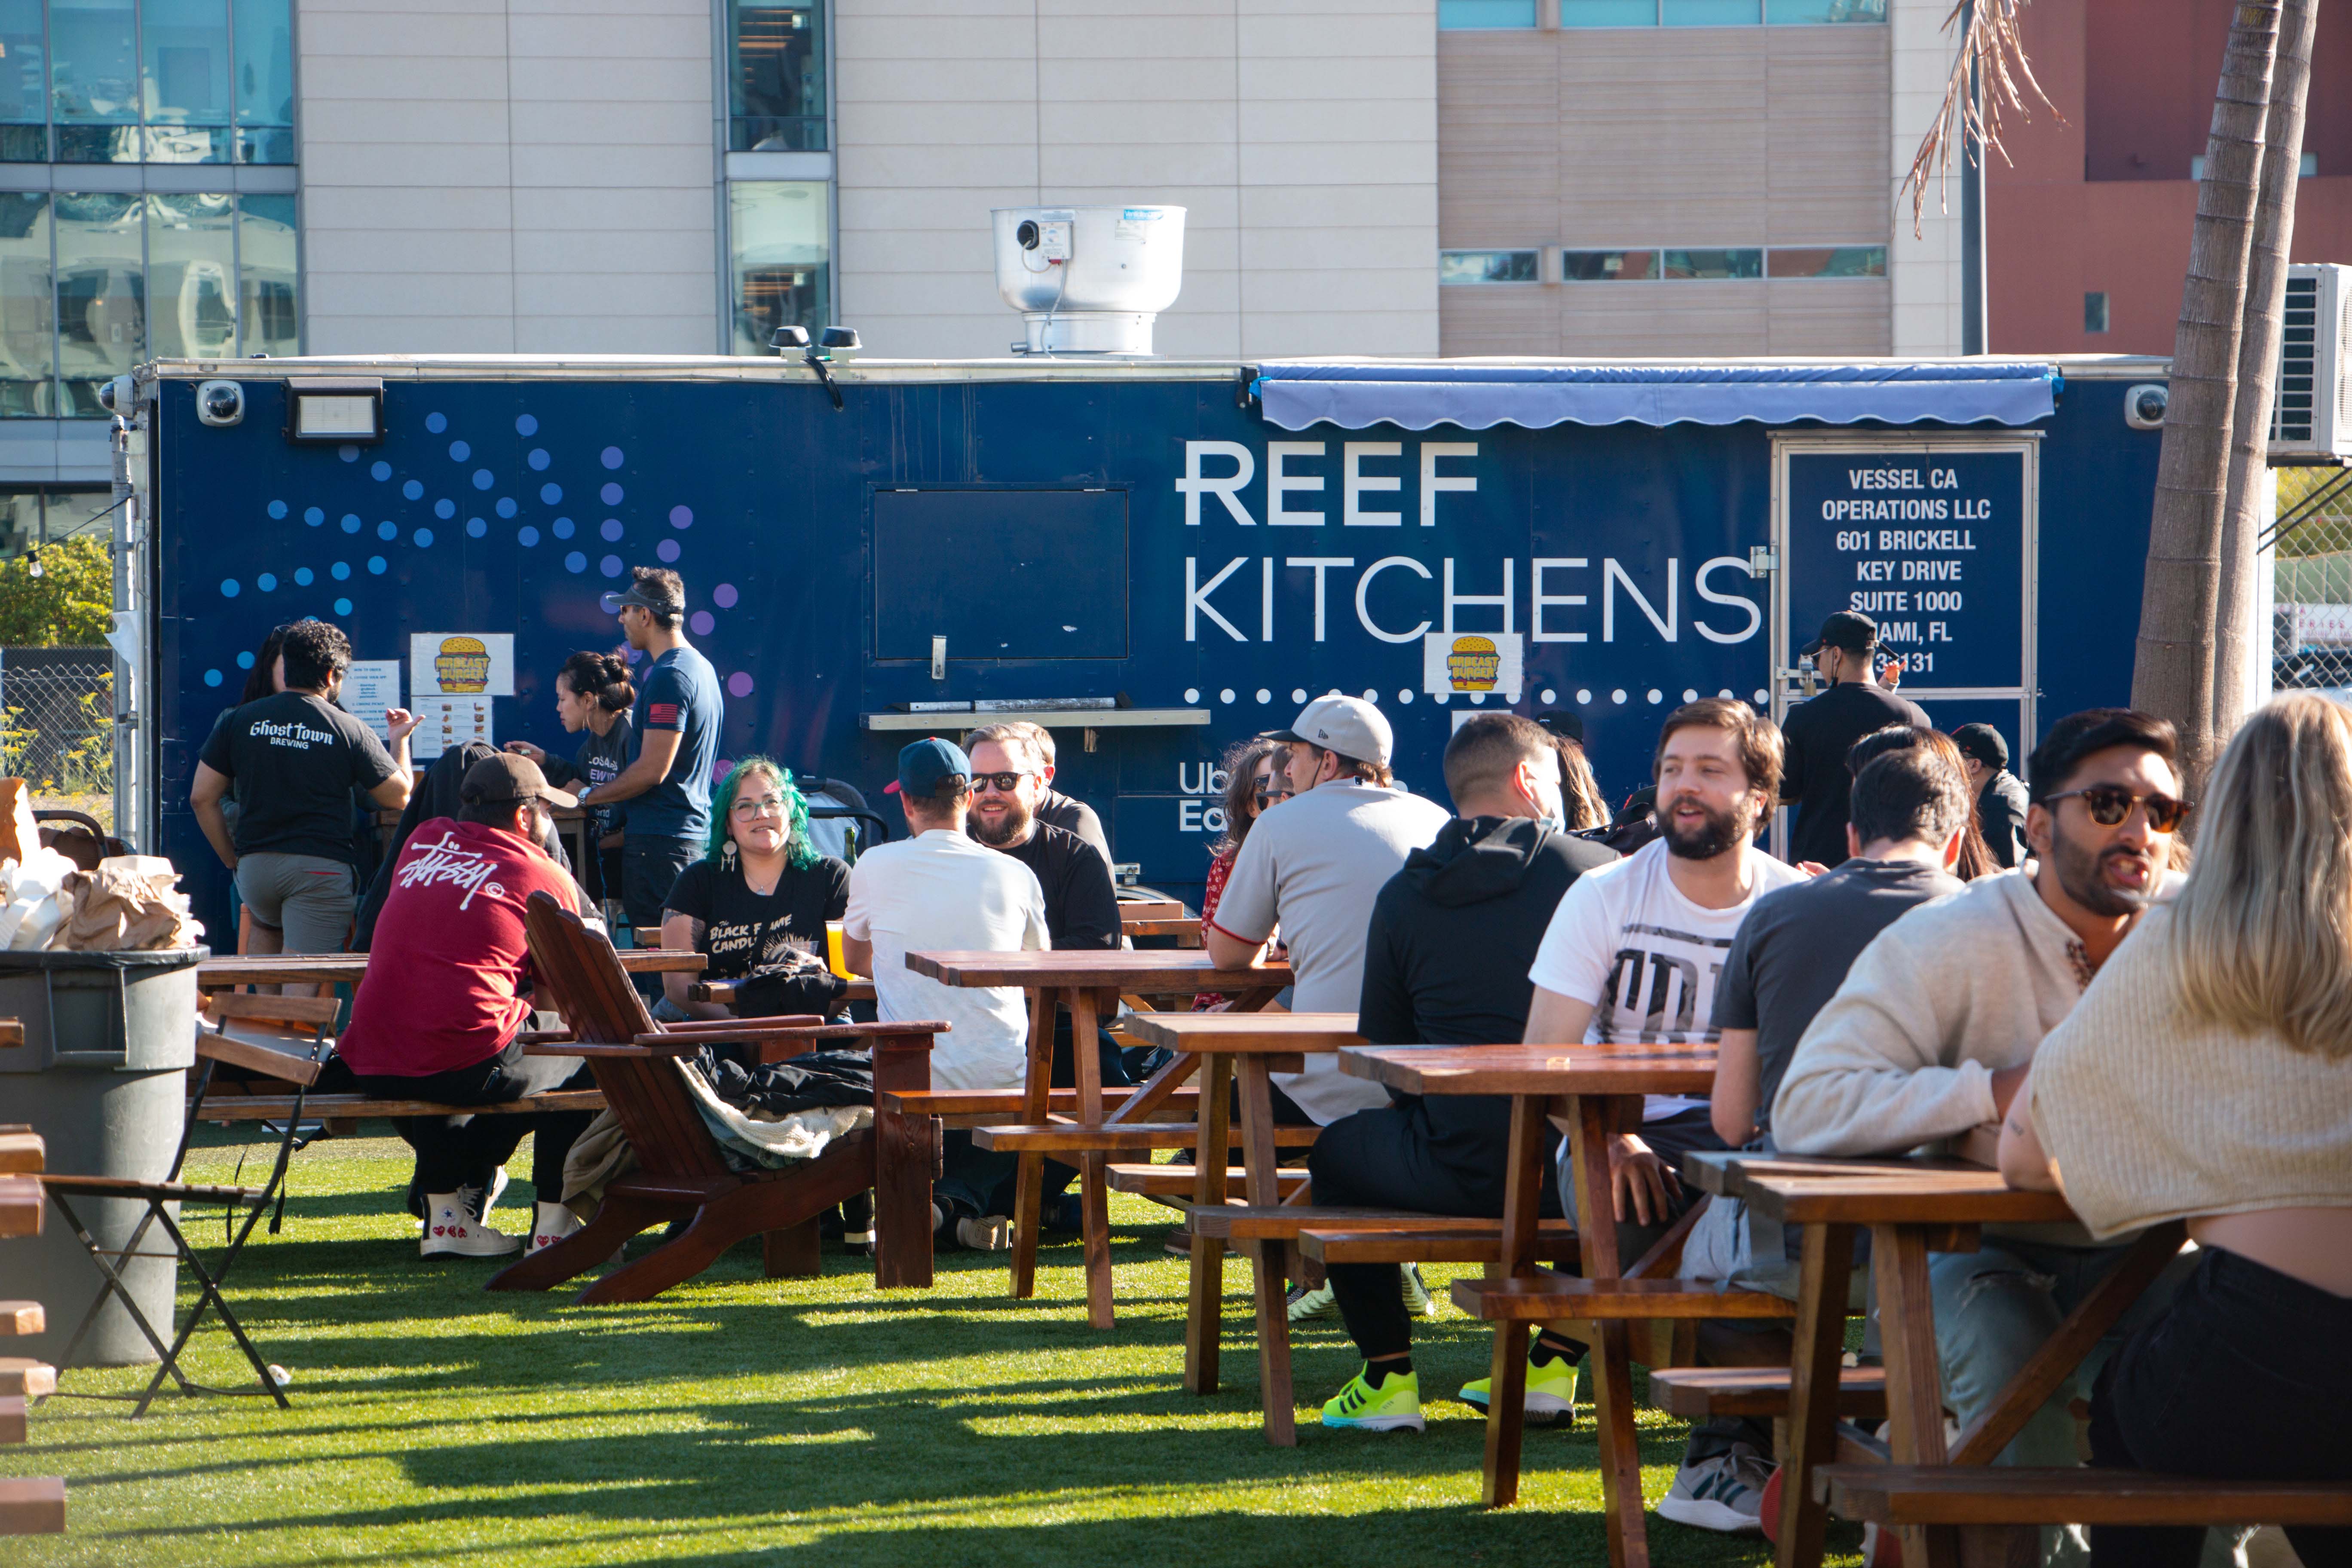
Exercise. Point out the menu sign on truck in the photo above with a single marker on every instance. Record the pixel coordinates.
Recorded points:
(1929, 543)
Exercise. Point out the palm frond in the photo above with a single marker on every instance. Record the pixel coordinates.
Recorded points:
(1990, 53)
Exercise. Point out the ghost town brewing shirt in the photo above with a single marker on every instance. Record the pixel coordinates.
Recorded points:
(295, 759)
(448, 980)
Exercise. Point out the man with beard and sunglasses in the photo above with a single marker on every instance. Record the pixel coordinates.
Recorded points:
(1940, 1015)
(1632, 956)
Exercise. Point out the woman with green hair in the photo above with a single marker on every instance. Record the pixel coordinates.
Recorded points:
(755, 906)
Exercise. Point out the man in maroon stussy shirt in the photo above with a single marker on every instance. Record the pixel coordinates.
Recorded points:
(445, 994)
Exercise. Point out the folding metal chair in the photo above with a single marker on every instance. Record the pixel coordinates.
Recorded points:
(285, 1041)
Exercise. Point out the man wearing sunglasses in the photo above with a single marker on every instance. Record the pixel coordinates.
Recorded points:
(1938, 1021)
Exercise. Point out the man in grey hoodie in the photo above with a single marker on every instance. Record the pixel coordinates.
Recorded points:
(1938, 1021)
(1446, 958)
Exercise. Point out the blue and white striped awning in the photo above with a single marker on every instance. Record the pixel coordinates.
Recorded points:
(1478, 396)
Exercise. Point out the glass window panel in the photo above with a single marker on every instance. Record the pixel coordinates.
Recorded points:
(1783, 13)
(1742, 263)
(94, 63)
(2094, 312)
(97, 143)
(192, 276)
(184, 57)
(268, 277)
(66, 514)
(779, 231)
(20, 520)
(1712, 13)
(1489, 267)
(23, 64)
(264, 64)
(1608, 265)
(1486, 13)
(776, 89)
(1608, 13)
(101, 295)
(1828, 261)
(28, 308)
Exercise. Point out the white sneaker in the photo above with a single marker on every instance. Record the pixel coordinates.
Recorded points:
(490, 1200)
(1725, 1493)
(1319, 1302)
(1417, 1298)
(452, 1230)
(988, 1233)
(551, 1224)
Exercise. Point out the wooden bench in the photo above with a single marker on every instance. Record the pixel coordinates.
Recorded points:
(333, 1109)
(22, 1377)
(1177, 1181)
(684, 1174)
(991, 1107)
(1123, 1137)
(16, 1320)
(1705, 1392)
(1555, 1239)
(34, 1506)
(1945, 1499)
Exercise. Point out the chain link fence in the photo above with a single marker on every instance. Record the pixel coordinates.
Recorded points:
(59, 727)
(2311, 618)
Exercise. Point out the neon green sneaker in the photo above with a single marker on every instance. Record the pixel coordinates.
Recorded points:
(1395, 1405)
(1552, 1391)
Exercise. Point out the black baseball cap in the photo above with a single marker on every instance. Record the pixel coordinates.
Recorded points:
(1848, 629)
(638, 596)
(1983, 742)
(1565, 722)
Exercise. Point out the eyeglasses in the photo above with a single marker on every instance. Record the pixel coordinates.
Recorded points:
(766, 805)
(2109, 804)
(1004, 783)
(1269, 796)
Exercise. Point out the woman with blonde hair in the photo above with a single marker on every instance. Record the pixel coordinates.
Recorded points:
(2207, 1076)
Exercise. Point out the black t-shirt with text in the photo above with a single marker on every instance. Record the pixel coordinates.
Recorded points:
(1081, 903)
(293, 760)
(744, 931)
(1813, 774)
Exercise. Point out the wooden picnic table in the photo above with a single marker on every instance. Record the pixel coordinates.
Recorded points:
(347, 968)
(724, 992)
(1260, 1044)
(1090, 981)
(1597, 1089)
(1912, 1208)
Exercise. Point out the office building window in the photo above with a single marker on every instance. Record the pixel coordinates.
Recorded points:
(1711, 12)
(2095, 311)
(41, 514)
(775, 84)
(1788, 12)
(92, 283)
(778, 231)
(1716, 13)
(158, 82)
(1826, 262)
(1608, 265)
(1453, 13)
(1713, 264)
(1490, 267)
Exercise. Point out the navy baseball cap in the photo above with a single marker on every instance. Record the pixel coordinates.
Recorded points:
(1849, 630)
(924, 763)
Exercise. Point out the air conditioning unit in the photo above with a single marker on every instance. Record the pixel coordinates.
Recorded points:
(2311, 411)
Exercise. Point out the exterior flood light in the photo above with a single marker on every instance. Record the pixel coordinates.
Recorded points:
(334, 413)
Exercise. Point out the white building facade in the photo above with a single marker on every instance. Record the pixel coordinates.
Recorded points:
(1415, 177)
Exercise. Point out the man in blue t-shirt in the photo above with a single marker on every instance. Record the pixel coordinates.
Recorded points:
(676, 718)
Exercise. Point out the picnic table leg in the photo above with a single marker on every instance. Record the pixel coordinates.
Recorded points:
(1093, 1199)
(1205, 1303)
(1589, 1124)
(906, 1152)
(1035, 1097)
(1819, 1351)
(1264, 1188)
(1914, 1390)
(794, 1253)
(1506, 1387)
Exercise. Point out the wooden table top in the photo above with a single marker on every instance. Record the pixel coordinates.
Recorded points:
(1967, 1194)
(346, 968)
(1534, 1070)
(1245, 1033)
(724, 991)
(1727, 1172)
(1177, 970)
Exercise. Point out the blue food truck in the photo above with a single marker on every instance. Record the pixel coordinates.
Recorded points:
(1153, 557)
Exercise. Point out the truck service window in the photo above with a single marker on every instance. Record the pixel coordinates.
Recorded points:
(981, 567)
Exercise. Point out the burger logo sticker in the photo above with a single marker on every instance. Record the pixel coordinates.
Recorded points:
(463, 665)
(1472, 664)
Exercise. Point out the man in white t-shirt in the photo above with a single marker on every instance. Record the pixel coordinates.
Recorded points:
(939, 890)
(1632, 956)
(1313, 866)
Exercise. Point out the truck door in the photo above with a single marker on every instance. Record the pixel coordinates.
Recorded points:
(1933, 538)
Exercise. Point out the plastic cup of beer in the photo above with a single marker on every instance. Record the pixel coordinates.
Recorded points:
(832, 959)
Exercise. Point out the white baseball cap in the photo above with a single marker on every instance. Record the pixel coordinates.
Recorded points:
(1347, 725)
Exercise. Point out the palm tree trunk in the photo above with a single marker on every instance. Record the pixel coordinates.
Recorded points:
(2172, 676)
(2242, 643)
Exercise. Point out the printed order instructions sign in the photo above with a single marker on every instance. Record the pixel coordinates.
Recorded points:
(370, 685)
(461, 664)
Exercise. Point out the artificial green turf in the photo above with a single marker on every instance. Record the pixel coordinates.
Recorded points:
(739, 1419)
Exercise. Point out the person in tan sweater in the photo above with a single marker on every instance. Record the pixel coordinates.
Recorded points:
(2206, 1075)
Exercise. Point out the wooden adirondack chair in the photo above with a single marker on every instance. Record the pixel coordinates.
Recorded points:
(683, 1174)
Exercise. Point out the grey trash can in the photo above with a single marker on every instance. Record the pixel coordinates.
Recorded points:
(102, 1078)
